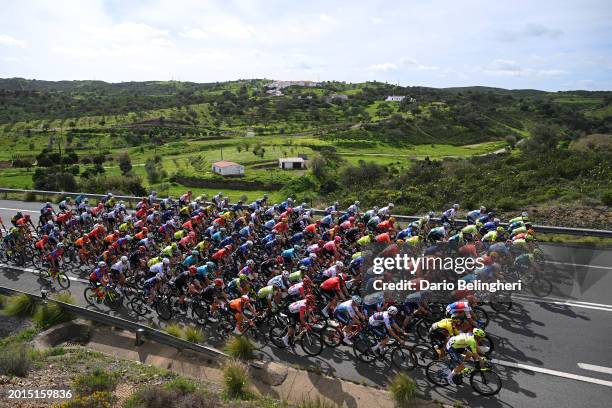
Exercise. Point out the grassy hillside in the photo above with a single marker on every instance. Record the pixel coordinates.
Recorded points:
(171, 132)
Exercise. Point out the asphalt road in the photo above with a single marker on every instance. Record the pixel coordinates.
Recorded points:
(551, 352)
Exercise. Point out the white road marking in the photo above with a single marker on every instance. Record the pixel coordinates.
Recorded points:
(597, 368)
(572, 303)
(37, 272)
(581, 265)
(554, 372)
(18, 209)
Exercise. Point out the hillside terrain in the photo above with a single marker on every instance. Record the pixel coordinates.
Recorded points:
(505, 148)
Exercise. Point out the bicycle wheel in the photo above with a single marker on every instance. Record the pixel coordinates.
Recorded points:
(485, 382)
(259, 338)
(501, 302)
(138, 306)
(332, 336)
(541, 287)
(225, 326)
(113, 300)
(403, 358)
(422, 330)
(163, 309)
(63, 280)
(362, 348)
(311, 343)
(276, 336)
(436, 372)
(424, 354)
(199, 312)
(90, 296)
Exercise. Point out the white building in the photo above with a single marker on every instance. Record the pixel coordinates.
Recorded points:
(290, 163)
(394, 98)
(227, 168)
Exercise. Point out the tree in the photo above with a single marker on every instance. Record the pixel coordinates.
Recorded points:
(319, 167)
(99, 159)
(125, 164)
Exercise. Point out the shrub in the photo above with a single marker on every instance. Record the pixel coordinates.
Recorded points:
(606, 197)
(14, 360)
(98, 380)
(99, 399)
(29, 196)
(170, 396)
(175, 330)
(19, 305)
(181, 384)
(240, 347)
(235, 379)
(50, 313)
(193, 334)
(403, 390)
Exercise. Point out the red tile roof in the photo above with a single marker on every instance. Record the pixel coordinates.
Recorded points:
(225, 163)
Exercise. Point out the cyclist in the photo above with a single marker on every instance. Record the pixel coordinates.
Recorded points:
(383, 325)
(460, 345)
(349, 314)
(298, 311)
(118, 270)
(237, 306)
(333, 289)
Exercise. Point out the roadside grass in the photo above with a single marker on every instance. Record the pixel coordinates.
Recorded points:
(236, 380)
(240, 347)
(51, 313)
(403, 389)
(20, 305)
(174, 329)
(193, 334)
(98, 380)
(15, 360)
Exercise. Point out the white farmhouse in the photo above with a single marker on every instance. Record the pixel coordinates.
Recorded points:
(289, 163)
(227, 168)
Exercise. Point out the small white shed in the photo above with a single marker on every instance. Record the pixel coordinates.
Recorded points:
(290, 163)
(227, 168)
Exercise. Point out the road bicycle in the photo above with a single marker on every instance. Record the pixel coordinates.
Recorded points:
(106, 294)
(54, 274)
(483, 379)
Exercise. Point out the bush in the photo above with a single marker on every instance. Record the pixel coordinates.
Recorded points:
(29, 196)
(14, 360)
(240, 347)
(181, 384)
(403, 390)
(98, 380)
(50, 313)
(171, 395)
(235, 379)
(99, 399)
(606, 197)
(193, 334)
(19, 305)
(175, 330)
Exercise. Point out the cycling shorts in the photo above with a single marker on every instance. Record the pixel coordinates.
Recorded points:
(342, 316)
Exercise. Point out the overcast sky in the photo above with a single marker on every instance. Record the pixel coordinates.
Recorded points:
(551, 45)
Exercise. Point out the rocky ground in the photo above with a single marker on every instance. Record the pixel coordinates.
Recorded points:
(568, 216)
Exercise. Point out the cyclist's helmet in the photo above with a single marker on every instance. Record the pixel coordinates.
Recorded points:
(446, 225)
(296, 247)
(392, 310)
(166, 261)
(483, 209)
(218, 282)
(101, 264)
(339, 264)
(242, 277)
(500, 229)
(356, 299)
(478, 332)
(312, 256)
(249, 243)
(285, 274)
(195, 252)
(46, 237)
(338, 239)
(250, 262)
(210, 265)
(60, 245)
(456, 206)
(142, 248)
(124, 259)
(245, 298)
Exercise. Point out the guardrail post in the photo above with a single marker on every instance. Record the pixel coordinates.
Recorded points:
(140, 333)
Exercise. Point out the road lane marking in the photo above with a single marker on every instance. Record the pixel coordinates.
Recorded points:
(17, 209)
(554, 372)
(582, 265)
(37, 272)
(585, 305)
(592, 367)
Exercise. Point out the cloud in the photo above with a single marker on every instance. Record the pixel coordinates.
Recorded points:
(8, 41)
(385, 66)
(511, 68)
(529, 30)
(194, 34)
(376, 20)
(326, 18)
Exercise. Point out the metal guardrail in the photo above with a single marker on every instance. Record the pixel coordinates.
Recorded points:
(546, 229)
(115, 321)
